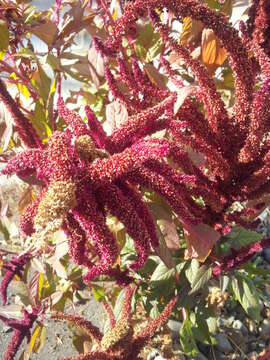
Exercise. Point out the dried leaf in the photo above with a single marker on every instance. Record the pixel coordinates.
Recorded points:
(37, 341)
(116, 116)
(25, 199)
(227, 7)
(200, 240)
(213, 55)
(56, 297)
(165, 254)
(155, 76)
(4, 35)
(191, 31)
(5, 126)
(96, 65)
(13, 311)
(169, 232)
(46, 32)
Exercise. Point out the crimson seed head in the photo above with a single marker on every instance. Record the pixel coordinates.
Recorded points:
(85, 175)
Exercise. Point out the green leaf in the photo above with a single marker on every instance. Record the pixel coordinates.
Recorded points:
(224, 283)
(201, 331)
(154, 50)
(54, 62)
(245, 237)
(187, 339)
(238, 238)
(162, 273)
(247, 295)
(192, 270)
(39, 121)
(98, 292)
(144, 40)
(119, 303)
(140, 50)
(212, 323)
(213, 4)
(4, 36)
(202, 276)
(43, 82)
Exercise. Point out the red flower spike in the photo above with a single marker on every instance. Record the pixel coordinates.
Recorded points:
(140, 125)
(76, 240)
(25, 129)
(93, 222)
(95, 128)
(21, 330)
(156, 182)
(117, 94)
(126, 308)
(26, 164)
(135, 198)
(179, 181)
(14, 267)
(120, 207)
(218, 22)
(259, 24)
(27, 219)
(109, 312)
(118, 165)
(58, 153)
(78, 127)
(146, 86)
(154, 324)
(119, 342)
(237, 258)
(216, 112)
(87, 326)
(172, 74)
(127, 77)
(259, 124)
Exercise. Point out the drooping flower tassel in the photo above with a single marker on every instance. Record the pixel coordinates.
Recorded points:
(93, 222)
(76, 240)
(87, 326)
(135, 198)
(259, 124)
(25, 129)
(26, 164)
(239, 257)
(14, 267)
(21, 330)
(156, 182)
(72, 119)
(119, 206)
(103, 171)
(96, 130)
(140, 125)
(27, 219)
(151, 328)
